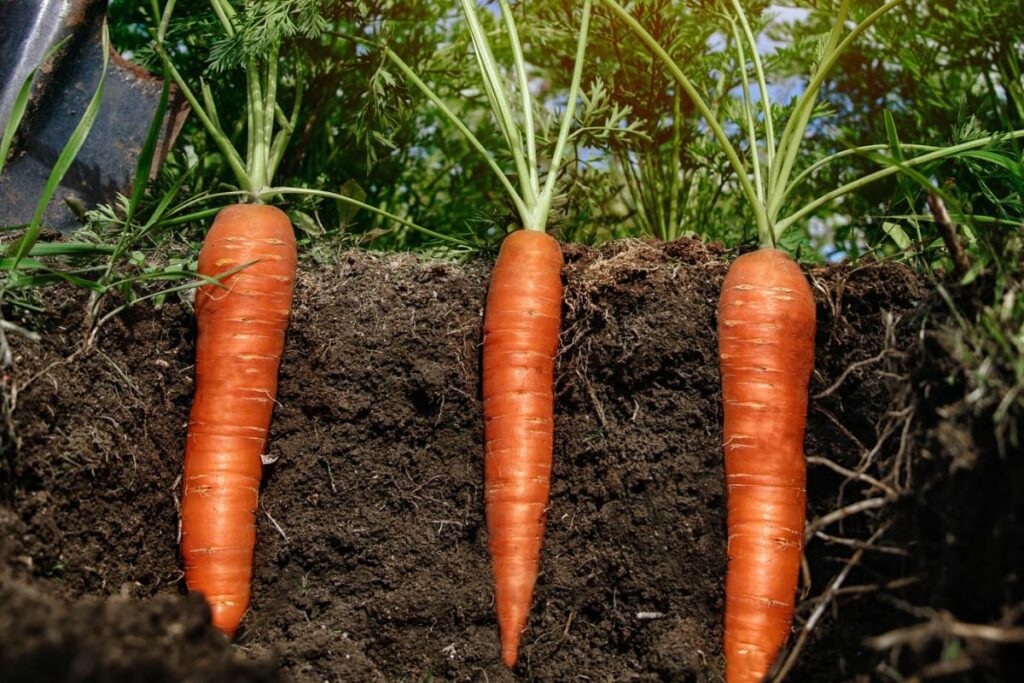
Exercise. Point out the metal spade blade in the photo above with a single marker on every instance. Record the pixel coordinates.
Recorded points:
(62, 90)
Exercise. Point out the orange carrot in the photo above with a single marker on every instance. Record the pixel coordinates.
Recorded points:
(241, 330)
(521, 324)
(766, 348)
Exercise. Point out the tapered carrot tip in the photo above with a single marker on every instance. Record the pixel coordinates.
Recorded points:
(511, 627)
(514, 601)
(226, 618)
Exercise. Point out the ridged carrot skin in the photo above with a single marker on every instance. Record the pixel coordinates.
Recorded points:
(240, 340)
(766, 322)
(521, 325)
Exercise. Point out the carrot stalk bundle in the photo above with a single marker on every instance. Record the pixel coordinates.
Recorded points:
(521, 325)
(766, 349)
(241, 330)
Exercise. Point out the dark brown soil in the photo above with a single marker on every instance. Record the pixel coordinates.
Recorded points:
(117, 639)
(371, 562)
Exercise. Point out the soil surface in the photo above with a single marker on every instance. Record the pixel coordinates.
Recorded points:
(371, 561)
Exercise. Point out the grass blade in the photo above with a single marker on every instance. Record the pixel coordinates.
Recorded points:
(70, 249)
(20, 105)
(145, 161)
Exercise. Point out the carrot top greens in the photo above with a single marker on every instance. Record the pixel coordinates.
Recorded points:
(369, 123)
(514, 113)
(765, 179)
(252, 39)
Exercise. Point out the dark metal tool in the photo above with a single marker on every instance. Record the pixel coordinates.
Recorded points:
(63, 87)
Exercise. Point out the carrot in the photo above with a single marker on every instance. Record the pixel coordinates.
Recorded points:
(521, 324)
(241, 321)
(241, 324)
(240, 339)
(766, 349)
(766, 339)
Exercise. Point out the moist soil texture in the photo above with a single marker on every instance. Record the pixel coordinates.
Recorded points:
(371, 560)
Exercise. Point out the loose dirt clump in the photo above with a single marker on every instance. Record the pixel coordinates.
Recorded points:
(371, 561)
(165, 638)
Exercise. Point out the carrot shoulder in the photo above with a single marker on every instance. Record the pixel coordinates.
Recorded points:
(766, 350)
(521, 325)
(240, 339)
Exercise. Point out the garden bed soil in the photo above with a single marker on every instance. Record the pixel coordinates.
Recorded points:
(371, 561)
